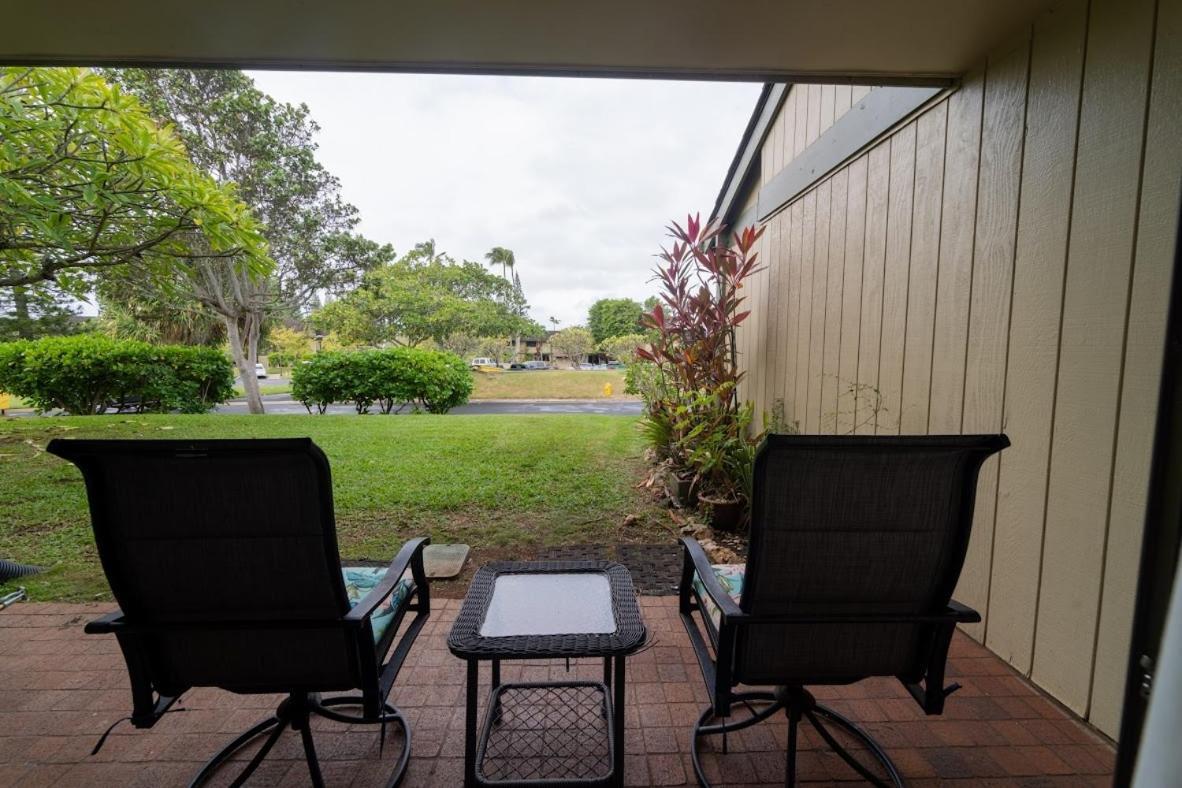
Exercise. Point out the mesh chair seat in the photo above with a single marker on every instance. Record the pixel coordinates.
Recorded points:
(730, 577)
(360, 580)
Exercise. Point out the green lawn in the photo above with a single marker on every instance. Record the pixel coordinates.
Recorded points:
(548, 384)
(504, 484)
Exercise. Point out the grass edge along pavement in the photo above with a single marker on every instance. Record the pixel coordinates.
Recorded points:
(504, 484)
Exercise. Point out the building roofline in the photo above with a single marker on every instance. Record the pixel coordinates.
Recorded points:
(767, 106)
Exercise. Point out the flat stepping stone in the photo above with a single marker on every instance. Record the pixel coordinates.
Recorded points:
(441, 561)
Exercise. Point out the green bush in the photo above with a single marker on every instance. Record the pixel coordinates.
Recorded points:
(92, 374)
(428, 380)
(285, 360)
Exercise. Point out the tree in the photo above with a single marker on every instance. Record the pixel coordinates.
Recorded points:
(89, 182)
(425, 296)
(613, 317)
(623, 348)
(238, 134)
(162, 318)
(503, 257)
(574, 343)
(34, 311)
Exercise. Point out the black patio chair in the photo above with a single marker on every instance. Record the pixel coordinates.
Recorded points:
(222, 555)
(856, 546)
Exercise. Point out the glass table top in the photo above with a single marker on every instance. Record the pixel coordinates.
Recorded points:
(549, 604)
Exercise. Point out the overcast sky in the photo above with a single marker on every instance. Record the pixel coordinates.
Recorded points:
(577, 176)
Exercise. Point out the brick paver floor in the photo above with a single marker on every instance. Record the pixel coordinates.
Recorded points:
(60, 689)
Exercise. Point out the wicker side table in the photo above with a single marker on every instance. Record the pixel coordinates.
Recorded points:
(542, 733)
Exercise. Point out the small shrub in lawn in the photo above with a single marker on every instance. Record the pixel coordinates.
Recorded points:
(393, 378)
(90, 374)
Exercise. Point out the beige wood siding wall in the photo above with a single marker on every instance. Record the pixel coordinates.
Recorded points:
(999, 261)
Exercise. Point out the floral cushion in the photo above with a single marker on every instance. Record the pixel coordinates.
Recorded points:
(730, 577)
(360, 580)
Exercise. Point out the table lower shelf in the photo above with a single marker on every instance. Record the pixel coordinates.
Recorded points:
(539, 734)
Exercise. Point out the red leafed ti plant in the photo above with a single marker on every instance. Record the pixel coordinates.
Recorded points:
(693, 418)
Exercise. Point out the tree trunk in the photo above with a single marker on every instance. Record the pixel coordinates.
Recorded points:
(244, 360)
(20, 309)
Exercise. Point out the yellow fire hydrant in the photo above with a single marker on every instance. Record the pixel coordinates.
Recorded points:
(607, 389)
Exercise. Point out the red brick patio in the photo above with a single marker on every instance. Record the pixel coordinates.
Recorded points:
(59, 689)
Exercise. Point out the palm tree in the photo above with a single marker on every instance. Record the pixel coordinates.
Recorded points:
(503, 257)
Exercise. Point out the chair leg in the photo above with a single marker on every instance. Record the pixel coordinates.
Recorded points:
(389, 714)
(310, 756)
(296, 712)
(702, 729)
(224, 754)
(793, 731)
(800, 706)
(876, 751)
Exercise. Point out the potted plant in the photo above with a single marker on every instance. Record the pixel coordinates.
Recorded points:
(718, 450)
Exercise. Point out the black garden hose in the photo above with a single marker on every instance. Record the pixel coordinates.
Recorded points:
(10, 570)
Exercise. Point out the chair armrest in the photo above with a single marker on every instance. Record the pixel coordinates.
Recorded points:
(962, 614)
(105, 625)
(411, 555)
(694, 554)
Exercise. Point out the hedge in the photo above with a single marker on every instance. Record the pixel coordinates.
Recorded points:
(91, 374)
(392, 379)
(285, 360)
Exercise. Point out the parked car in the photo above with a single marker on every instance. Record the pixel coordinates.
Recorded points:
(482, 361)
(517, 365)
(537, 365)
(260, 371)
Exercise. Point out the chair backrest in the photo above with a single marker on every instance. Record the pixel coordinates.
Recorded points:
(226, 550)
(854, 525)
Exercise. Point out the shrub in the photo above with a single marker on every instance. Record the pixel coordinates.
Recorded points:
(429, 380)
(91, 374)
(438, 382)
(285, 359)
(321, 380)
(694, 418)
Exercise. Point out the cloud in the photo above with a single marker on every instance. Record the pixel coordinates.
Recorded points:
(577, 176)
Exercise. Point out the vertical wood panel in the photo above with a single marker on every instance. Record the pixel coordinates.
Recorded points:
(804, 321)
(922, 278)
(1094, 308)
(957, 224)
(833, 302)
(1157, 227)
(828, 100)
(841, 101)
(771, 149)
(795, 247)
(874, 255)
(851, 294)
(858, 92)
(777, 333)
(900, 196)
(989, 309)
(788, 138)
(799, 142)
(813, 129)
(824, 194)
(1040, 256)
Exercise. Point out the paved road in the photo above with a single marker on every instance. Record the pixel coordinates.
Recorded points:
(281, 404)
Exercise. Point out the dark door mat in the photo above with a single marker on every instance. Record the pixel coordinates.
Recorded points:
(655, 568)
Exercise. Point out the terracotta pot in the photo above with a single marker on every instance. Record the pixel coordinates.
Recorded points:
(725, 513)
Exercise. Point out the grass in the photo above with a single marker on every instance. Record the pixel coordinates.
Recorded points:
(507, 485)
(265, 389)
(548, 384)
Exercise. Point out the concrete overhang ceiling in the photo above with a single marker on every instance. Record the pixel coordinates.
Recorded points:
(891, 41)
